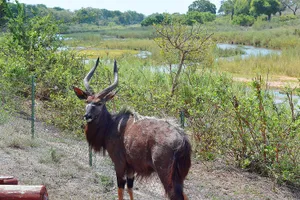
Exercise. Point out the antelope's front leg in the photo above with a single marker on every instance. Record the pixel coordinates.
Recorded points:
(121, 184)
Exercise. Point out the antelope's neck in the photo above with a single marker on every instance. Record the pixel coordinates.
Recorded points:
(97, 130)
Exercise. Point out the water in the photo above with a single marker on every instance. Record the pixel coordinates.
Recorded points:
(281, 98)
(249, 50)
(144, 54)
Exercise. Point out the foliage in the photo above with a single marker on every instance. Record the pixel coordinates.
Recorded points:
(28, 49)
(229, 52)
(273, 65)
(190, 18)
(193, 17)
(86, 32)
(242, 7)
(3, 4)
(105, 53)
(227, 7)
(83, 15)
(268, 7)
(262, 33)
(203, 6)
(258, 137)
(103, 16)
(287, 17)
(251, 7)
(155, 18)
(243, 20)
(33, 34)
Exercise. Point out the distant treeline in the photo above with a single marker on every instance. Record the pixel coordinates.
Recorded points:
(190, 18)
(241, 12)
(101, 17)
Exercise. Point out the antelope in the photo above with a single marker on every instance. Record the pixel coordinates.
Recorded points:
(137, 145)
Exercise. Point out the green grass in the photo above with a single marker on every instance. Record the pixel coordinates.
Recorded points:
(229, 52)
(106, 53)
(276, 34)
(286, 64)
(52, 156)
(4, 116)
(106, 181)
(134, 31)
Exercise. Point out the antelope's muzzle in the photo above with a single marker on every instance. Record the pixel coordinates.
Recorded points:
(87, 118)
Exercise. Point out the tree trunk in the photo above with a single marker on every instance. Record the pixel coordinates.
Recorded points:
(175, 79)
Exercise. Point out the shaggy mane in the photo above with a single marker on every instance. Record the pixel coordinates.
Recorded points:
(138, 117)
(126, 110)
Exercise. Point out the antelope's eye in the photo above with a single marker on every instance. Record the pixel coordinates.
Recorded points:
(97, 102)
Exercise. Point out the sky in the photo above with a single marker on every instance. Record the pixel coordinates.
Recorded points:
(146, 7)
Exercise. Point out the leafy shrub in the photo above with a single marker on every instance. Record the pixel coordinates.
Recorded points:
(193, 17)
(243, 20)
(35, 53)
(284, 18)
(153, 19)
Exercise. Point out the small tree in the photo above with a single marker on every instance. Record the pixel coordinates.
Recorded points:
(183, 46)
(32, 33)
(199, 17)
(203, 6)
(293, 5)
(155, 18)
(267, 7)
(30, 46)
(227, 7)
(3, 4)
(242, 7)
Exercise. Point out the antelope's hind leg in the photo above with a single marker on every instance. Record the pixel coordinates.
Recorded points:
(130, 180)
(185, 197)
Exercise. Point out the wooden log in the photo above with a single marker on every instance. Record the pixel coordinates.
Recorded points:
(8, 180)
(23, 192)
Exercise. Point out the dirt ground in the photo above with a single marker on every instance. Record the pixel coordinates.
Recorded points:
(275, 82)
(61, 163)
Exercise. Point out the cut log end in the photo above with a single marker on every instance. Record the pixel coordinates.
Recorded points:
(23, 192)
(8, 180)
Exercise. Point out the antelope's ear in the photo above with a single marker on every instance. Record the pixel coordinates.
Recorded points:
(80, 93)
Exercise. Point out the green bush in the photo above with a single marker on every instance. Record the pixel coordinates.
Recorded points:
(284, 18)
(30, 48)
(243, 20)
(153, 19)
(193, 17)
